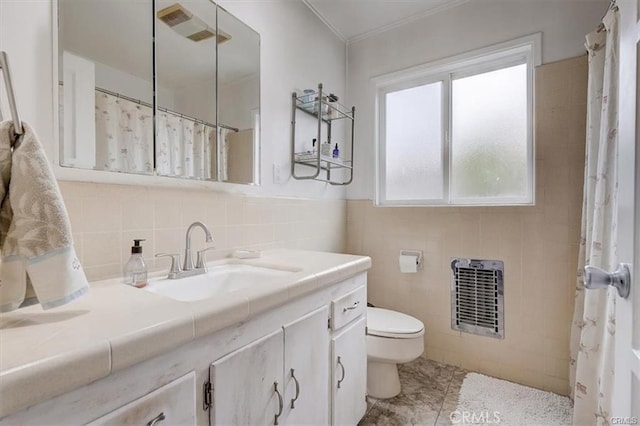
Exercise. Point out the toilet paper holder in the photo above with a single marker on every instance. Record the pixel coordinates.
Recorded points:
(417, 253)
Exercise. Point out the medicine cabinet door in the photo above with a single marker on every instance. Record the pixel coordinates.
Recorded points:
(105, 91)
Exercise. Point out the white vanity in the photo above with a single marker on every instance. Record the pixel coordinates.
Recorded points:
(289, 350)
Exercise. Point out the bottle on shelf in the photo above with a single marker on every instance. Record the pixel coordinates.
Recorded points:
(308, 99)
(326, 149)
(333, 107)
(336, 152)
(324, 105)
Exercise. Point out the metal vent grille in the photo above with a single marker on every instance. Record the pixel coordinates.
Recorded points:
(477, 297)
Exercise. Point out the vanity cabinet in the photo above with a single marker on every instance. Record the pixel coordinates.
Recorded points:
(313, 346)
(278, 379)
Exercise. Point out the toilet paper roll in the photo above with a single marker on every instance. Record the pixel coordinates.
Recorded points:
(408, 263)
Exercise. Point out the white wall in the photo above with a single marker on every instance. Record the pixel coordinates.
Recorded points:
(25, 34)
(236, 100)
(473, 25)
(197, 99)
(118, 81)
(297, 51)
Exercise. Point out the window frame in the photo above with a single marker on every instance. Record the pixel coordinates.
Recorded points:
(524, 50)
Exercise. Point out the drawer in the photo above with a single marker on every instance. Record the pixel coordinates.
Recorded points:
(175, 401)
(348, 307)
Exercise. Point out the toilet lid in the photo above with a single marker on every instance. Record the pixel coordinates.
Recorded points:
(387, 323)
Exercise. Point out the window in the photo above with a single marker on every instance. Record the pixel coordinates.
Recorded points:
(459, 131)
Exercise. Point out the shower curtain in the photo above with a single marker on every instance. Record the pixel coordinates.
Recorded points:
(223, 155)
(184, 147)
(124, 135)
(593, 327)
(124, 140)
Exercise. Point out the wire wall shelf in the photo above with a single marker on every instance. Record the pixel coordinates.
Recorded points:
(325, 109)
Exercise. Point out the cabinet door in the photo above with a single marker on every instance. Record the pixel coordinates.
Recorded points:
(306, 352)
(243, 383)
(349, 374)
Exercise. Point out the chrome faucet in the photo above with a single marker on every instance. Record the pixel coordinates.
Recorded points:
(188, 269)
(188, 256)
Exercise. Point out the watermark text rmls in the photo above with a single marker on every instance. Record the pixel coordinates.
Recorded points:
(475, 417)
(624, 420)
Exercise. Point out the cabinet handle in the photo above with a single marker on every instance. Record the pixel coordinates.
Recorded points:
(343, 372)
(295, 398)
(156, 420)
(352, 307)
(280, 403)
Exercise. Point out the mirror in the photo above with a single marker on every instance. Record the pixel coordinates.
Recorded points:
(207, 89)
(106, 91)
(238, 101)
(186, 89)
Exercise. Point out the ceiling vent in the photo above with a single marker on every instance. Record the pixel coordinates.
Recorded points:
(188, 25)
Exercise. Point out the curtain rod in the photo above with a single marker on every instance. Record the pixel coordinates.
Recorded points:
(167, 110)
(17, 123)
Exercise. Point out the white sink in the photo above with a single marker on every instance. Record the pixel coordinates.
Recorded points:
(220, 279)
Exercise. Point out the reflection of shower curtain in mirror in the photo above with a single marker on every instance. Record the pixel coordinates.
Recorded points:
(223, 155)
(184, 147)
(124, 135)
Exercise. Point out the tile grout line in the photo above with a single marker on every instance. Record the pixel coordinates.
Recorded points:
(445, 395)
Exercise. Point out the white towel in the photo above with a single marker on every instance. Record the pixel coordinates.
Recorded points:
(35, 234)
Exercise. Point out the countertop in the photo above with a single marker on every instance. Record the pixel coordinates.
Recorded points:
(47, 353)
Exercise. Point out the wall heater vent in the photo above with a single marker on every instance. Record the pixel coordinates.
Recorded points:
(477, 297)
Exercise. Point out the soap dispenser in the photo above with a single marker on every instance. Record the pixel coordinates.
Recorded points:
(135, 271)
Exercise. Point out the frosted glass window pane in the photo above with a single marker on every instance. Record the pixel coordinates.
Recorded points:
(489, 135)
(413, 142)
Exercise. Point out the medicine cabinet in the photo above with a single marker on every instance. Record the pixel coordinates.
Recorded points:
(327, 158)
(159, 87)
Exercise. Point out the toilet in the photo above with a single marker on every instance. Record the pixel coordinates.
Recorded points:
(392, 338)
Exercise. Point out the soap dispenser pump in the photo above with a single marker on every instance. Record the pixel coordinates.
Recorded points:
(135, 271)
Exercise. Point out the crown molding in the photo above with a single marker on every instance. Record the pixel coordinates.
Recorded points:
(415, 17)
(325, 21)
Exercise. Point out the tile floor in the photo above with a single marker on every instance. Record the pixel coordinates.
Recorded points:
(429, 394)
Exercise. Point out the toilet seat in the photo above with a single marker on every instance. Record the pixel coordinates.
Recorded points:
(387, 323)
